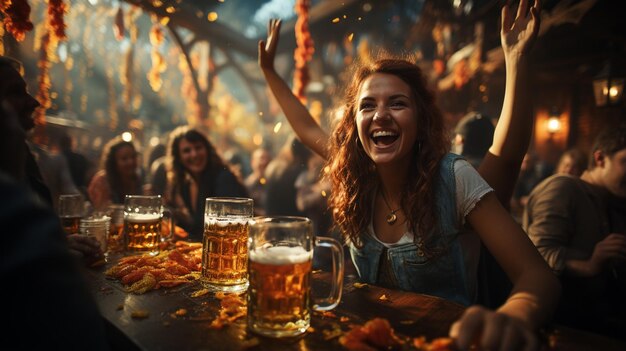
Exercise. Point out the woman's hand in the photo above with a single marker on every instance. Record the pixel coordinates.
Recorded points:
(518, 35)
(267, 50)
(493, 331)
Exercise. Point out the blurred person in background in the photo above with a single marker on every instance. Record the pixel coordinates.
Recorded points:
(572, 162)
(256, 181)
(54, 167)
(118, 175)
(79, 165)
(281, 174)
(473, 137)
(157, 172)
(312, 191)
(531, 173)
(196, 172)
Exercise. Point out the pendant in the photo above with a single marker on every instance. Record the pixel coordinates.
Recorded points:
(392, 218)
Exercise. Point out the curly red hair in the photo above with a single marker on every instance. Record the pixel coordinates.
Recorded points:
(353, 174)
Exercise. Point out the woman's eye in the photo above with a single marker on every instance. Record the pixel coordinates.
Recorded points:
(398, 104)
(366, 106)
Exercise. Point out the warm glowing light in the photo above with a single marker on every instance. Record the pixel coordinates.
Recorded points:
(277, 127)
(126, 136)
(154, 141)
(170, 9)
(350, 36)
(257, 139)
(554, 124)
(97, 142)
(212, 16)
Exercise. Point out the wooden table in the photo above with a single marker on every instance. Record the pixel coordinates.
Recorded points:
(410, 314)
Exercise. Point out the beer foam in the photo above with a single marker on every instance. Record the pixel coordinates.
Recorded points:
(142, 217)
(279, 255)
(223, 222)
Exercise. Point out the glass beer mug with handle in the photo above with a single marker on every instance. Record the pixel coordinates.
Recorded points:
(142, 223)
(71, 210)
(280, 253)
(225, 243)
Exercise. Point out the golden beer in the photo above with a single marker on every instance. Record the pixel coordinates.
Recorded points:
(278, 298)
(143, 232)
(115, 242)
(225, 253)
(71, 224)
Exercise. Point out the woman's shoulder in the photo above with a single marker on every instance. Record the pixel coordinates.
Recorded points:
(99, 177)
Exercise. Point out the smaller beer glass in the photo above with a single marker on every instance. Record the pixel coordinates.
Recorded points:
(115, 242)
(281, 256)
(98, 227)
(142, 223)
(70, 209)
(225, 243)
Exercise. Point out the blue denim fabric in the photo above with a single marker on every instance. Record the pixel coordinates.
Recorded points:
(443, 275)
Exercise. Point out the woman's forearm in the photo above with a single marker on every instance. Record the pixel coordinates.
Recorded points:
(514, 128)
(303, 124)
(533, 300)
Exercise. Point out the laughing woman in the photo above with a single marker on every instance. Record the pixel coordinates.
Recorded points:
(118, 175)
(403, 202)
(196, 172)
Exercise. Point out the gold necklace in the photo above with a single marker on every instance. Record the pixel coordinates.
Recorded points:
(391, 217)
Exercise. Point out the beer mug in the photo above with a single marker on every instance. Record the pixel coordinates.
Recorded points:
(280, 251)
(70, 209)
(142, 223)
(115, 242)
(98, 227)
(225, 243)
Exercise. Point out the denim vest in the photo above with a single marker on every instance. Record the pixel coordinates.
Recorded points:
(443, 275)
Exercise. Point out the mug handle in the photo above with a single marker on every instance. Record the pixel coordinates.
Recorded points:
(330, 302)
(167, 212)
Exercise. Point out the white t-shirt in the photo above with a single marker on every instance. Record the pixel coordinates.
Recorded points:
(470, 189)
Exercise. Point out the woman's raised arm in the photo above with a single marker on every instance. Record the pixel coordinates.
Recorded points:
(502, 163)
(303, 124)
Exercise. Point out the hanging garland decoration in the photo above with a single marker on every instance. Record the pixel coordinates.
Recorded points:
(189, 92)
(1, 41)
(127, 69)
(158, 62)
(304, 50)
(118, 25)
(16, 15)
(56, 12)
(113, 116)
(55, 27)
